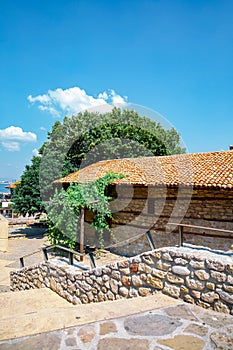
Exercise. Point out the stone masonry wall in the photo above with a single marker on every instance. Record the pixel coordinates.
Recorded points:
(193, 275)
(139, 209)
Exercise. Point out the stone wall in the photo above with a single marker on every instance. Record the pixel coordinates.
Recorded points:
(194, 275)
(138, 209)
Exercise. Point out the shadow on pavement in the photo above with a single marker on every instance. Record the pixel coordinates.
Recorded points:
(28, 232)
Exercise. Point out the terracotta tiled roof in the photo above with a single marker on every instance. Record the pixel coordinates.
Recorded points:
(212, 169)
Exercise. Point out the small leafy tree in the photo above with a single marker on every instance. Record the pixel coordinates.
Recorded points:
(65, 206)
(61, 219)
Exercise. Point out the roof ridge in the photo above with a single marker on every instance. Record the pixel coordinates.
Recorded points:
(163, 156)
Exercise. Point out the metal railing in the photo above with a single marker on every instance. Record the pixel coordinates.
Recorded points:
(21, 260)
(182, 226)
(88, 250)
(70, 252)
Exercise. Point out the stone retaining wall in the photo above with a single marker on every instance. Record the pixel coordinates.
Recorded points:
(194, 275)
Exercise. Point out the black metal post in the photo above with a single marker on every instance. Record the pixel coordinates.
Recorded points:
(82, 233)
(150, 239)
(92, 260)
(45, 253)
(71, 258)
(21, 262)
(181, 236)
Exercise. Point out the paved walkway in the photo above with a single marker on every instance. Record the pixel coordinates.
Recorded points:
(168, 324)
(41, 310)
(23, 241)
(41, 320)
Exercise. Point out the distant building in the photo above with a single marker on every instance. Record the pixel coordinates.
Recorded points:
(11, 187)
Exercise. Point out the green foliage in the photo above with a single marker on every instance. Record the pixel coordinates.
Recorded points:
(65, 206)
(26, 197)
(61, 212)
(116, 134)
(87, 138)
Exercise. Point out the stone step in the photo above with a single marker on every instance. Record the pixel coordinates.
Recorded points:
(37, 311)
(24, 312)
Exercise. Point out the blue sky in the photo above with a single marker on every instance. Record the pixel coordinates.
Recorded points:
(175, 57)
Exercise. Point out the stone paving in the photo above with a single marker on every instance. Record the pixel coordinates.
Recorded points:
(22, 241)
(180, 327)
(27, 240)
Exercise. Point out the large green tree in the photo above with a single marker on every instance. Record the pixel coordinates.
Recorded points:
(115, 134)
(27, 193)
(87, 138)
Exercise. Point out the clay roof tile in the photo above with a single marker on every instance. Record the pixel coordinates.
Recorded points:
(209, 169)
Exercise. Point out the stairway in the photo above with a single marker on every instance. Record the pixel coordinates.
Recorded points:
(36, 311)
(32, 311)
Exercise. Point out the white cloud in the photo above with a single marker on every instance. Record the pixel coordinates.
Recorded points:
(51, 110)
(103, 95)
(70, 101)
(39, 98)
(42, 128)
(35, 152)
(11, 137)
(16, 133)
(117, 99)
(11, 146)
